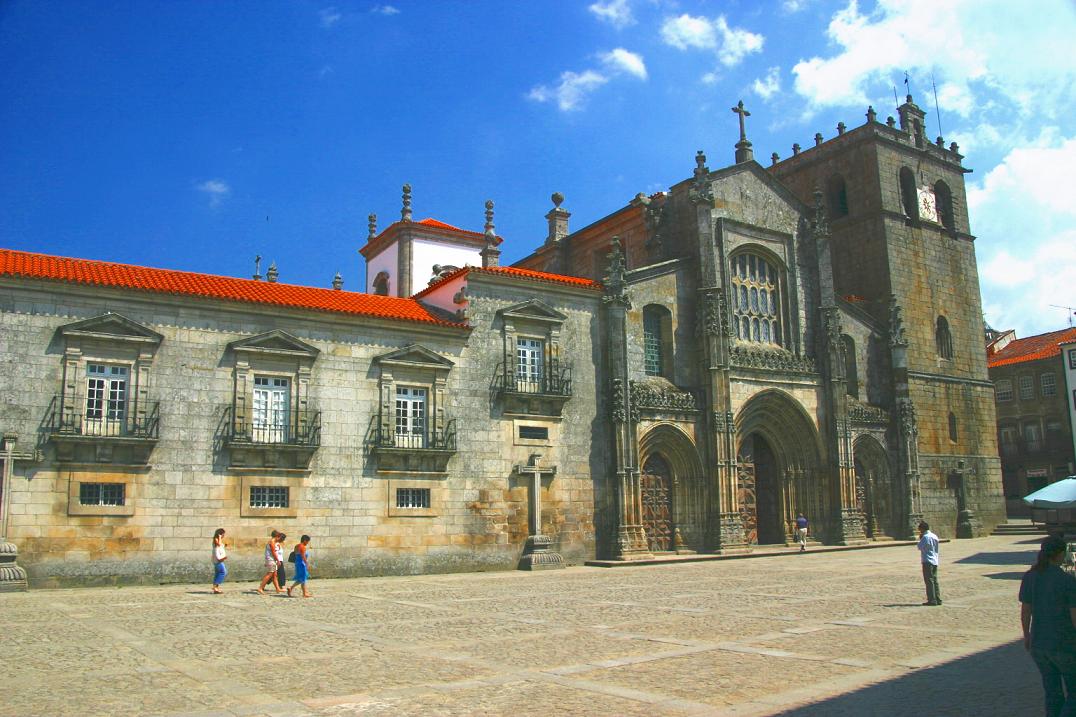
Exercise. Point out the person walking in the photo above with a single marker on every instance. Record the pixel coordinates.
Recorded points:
(219, 556)
(928, 553)
(302, 566)
(1048, 618)
(270, 565)
(281, 572)
(801, 531)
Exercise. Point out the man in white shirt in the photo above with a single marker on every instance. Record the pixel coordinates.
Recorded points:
(928, 551)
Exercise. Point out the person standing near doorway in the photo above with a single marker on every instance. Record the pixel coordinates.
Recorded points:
(928, 553)
(1048, 618)
(801, 531)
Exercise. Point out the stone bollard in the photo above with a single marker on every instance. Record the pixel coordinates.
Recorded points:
(12, 577)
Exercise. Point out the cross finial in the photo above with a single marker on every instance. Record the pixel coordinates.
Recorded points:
(738, 109)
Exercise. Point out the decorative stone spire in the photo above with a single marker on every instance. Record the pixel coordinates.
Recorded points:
(257, 268)
(795, 149)
(616, 285)
(405, 212)
(338, 282)
(872, 116)
(701, 170)
(775, 158)
(841, 127)
(272, 274)
(490, 253)
(818, 139)
(557, 220)
(744, 153)
(371, 225)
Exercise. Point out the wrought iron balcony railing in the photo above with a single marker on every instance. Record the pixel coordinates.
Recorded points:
(126, 421)
(297, 427)
(423, 439)
(554, 379)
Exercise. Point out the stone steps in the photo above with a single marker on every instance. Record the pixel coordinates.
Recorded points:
(1019, 528)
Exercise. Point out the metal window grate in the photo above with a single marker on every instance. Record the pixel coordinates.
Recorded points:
(412, 497)
(101, 493)
(534, 432)
(268, 496)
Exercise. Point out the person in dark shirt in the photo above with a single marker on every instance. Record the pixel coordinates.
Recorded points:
(1048, 617)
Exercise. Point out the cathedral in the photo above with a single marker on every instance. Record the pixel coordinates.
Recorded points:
(685, 375)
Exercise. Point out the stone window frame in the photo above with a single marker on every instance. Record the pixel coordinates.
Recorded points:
(114, 340)
(381, 284)
(1072, 358)
(553, 437)
(662, 317)
(837, 196)
(1003, 390)
(533, 319)
(413, 366)
(273, 354)
(943, 198)
(435, 509)
(1048, 388)
(780, 287)
(130, 483)
(269, 480)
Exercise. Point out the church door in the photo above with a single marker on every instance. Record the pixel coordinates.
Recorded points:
(656, 486)
(760, 492)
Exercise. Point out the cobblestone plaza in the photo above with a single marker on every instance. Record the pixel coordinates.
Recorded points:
(836, 633)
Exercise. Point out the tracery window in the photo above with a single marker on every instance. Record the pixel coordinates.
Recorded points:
(756, 300)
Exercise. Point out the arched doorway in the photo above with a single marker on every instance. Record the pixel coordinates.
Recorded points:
(874, 489)
(762, 495)
(656, 486)
(674, 499)
(779, 469)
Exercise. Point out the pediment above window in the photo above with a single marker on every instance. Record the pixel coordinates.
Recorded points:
(275, 343)
(111, 327)
(533, 310)
(415, 357)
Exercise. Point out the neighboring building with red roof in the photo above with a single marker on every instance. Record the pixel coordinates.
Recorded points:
(1035, 435)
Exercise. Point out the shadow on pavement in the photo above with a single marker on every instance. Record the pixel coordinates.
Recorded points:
(1002, 681)
(1005, 576)
(1024, 557)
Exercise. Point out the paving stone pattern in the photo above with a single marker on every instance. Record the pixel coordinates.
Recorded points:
(816, 634)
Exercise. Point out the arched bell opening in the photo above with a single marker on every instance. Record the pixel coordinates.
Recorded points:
(779, 470)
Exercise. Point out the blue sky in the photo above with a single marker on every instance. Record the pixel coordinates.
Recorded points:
(194, 135)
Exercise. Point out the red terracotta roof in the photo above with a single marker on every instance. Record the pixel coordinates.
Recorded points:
(184, 283)
(519, 274)
(433, 224)
(1032, 348)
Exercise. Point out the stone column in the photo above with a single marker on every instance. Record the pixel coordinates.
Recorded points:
(967, 524)
(631, 543)
(907, 426)
(12, 576)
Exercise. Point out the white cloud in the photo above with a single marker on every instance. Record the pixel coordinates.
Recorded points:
(216, 189)
(329, 16)
(625, 61)
(1027, 236)
(385, 10)
(730, 45)
(766, 87)
(791, 6)
(572, 90)
(615, 12)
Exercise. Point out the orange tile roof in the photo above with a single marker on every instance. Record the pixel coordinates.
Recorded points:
(433, 224)
(519, 274)
(1032, 348)
(167, 281)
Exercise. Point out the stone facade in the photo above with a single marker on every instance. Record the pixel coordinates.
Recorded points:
(763, 341)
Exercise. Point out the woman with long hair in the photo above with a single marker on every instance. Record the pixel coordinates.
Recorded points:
(219, 556)
(1048, 618)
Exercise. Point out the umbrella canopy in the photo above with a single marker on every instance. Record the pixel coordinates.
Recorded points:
(1060, 494)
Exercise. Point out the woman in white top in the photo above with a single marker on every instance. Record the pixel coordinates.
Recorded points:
(219, 556)
(270, 565)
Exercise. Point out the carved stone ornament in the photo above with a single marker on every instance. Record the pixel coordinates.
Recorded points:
(862, 413)
(616, 286)
(896, 324)
(909, 425)
(819, 223)
(619, 401)
(831, 320)
(661, 397)
(771, 360)
(715, 315)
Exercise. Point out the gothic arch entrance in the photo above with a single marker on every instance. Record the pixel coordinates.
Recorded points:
(673, 498)
(874, 488)
(778, 469)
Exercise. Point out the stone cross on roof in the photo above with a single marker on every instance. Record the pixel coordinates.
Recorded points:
(744, 153)
(738, 109)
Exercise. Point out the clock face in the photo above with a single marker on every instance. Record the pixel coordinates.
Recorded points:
(928, 207)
